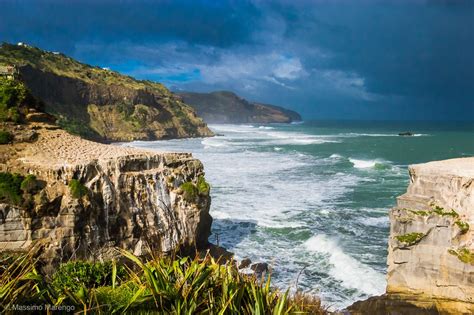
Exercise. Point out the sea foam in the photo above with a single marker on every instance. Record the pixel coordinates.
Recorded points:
(352, 273)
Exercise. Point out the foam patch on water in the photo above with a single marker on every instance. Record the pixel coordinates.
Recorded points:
(352, 273)
(376, 164)
(377, 222)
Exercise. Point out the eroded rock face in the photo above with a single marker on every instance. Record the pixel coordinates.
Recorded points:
(133, 200)
(431, 248)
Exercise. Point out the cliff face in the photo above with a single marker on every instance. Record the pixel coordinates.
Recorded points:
(89, 198)
(101, 104)
(227, 108)
(431, 247)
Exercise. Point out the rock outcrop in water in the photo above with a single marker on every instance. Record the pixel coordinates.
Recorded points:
(431, 244)
(87, 198)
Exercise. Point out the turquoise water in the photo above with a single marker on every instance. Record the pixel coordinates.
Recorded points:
(312, 199)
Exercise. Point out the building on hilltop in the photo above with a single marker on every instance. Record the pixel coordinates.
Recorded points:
(9, 71)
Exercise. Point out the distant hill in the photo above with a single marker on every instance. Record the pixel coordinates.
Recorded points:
(227, 107)
(98, 103)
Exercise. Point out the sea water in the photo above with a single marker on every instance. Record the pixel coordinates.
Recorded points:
(312, 199)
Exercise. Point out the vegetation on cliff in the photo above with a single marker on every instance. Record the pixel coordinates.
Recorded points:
(99, 103)
(5, 137)
(410, 238)
(15, 98)
(160, 285)
(17, 189)
(463, 254)
(78, 190)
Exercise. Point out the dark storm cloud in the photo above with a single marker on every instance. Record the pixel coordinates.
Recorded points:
(66, 22)
(339, 59)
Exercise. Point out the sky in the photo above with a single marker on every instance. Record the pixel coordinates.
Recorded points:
(334, 59)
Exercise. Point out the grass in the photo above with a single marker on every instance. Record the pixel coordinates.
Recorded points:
(463, 226)
(410, 238)
(463, 254)
(5, 137)
(419, 212)
(190, 192)
(440, 211)
(78, 190)
(203, 187)
(159, 285)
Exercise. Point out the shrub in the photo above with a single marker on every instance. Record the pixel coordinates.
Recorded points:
(190, 191)
(440, 211)
(464, 255)
(78, 190)
(5, 137)
(29, 183)
(10, 188)
(13, 94)
(410, 238)
(463, 226)
(74, 275)
(202, 186)
(160, 285)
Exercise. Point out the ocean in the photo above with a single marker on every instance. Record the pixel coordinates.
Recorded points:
(312, 199)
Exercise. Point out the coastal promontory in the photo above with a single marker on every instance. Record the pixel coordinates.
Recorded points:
(98, 103)
(224, 107)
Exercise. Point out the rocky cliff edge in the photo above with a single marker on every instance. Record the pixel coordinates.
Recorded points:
(85, 198)
(431, 244)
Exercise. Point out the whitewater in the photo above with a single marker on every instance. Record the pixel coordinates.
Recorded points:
(312, 199)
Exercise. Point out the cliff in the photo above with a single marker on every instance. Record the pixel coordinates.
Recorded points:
(227, 107)
(81, 199)
(431, 245)
(101, 104)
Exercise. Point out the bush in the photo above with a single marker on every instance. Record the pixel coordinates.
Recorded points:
(202, 186)
(410, 238)
(74, 275)
(160, 285)
(10, 188)
(77, 127)
(29, 184)
(13, 94)
(190, 191)
(5, 137)
(77, 189)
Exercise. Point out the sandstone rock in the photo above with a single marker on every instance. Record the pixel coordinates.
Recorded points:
(131, 200)
(431, 226)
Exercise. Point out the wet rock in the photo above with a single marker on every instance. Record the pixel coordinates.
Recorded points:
(246, 262)
(259, 268)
